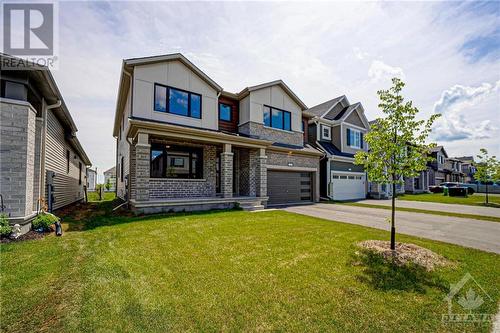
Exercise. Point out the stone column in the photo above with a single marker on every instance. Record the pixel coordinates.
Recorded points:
(142, 169)
(261, 173)
(226, 171)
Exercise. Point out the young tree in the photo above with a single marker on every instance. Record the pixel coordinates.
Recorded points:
(397, 144)
(487, 169)
(108, 184)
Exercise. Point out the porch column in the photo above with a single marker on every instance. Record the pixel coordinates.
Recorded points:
(261, 174)
(142, 169)
(226, 171)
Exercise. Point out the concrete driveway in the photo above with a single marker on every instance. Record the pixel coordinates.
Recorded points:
(482, 235)
(460, 209)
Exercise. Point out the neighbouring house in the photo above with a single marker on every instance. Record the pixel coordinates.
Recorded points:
(453, 170)
(110, 176)
(437, 167)
(468, 168)
(40, 155)
(337, 128)
(418, 184)
(184, 143)
(91, 179)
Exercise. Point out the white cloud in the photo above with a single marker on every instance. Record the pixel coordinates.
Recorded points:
(381, 71)
(455, 106)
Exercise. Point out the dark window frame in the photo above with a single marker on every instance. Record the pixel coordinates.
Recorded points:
(121, 169)
(68, 159)
(230, 112)
(189, 150)
(167, 105)
(79, 173)
(271, 108)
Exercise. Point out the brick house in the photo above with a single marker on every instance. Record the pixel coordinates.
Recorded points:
(40, 155)
(184, 143)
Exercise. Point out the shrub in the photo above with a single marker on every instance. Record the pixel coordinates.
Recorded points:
(44, 221)
(445, 190)
(5, 228)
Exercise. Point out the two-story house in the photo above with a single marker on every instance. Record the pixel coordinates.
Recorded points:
(437, 165)
(468, 168)
(110, 178)
(453, 170)
(337, 128)
(183, 143)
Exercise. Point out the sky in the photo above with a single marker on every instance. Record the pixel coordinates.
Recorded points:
(447, 53)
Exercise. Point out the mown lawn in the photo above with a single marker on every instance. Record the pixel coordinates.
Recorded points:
(477, 199)
(226, 271)
(106, 196)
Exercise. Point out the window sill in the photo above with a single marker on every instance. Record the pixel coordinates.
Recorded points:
(177, 115)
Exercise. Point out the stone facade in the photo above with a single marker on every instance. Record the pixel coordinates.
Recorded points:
(275, 135)
(226, 167)
(284, 159)
(17, 155)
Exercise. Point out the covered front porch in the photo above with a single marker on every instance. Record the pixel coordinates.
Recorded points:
(179, 171)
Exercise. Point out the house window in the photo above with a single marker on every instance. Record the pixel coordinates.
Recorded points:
(276, 118)
(177, 101)
(354, 138)
(176, 162)
(326, 132)
(79, 173)
(121, 170)
(224, 112)
(68, 157)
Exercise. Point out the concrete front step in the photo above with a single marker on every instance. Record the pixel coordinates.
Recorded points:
(252, 208)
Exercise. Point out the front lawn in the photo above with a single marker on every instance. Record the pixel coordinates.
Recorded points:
(477, 199)
(227, 271)
(106, 196)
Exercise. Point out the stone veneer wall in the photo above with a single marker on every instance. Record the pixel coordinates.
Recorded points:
(282, 159)
(260, 131)
(17, 149)
(165, 188)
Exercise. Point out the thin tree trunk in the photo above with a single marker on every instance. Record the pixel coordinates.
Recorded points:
(487, 199)
(393, 215)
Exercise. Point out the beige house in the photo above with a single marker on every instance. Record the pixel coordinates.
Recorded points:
(40, 155)
(186, 144)
(110, 176)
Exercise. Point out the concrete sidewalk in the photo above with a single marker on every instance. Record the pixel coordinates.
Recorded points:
(482, 235)
(441, 207)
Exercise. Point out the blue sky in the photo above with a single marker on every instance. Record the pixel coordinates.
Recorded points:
(447, 53)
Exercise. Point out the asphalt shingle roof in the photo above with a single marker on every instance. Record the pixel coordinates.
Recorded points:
(332, 150)
(320, 109)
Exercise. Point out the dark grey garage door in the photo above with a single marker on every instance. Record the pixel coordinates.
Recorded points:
(284, 187)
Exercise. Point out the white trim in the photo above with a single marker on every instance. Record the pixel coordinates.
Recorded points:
(323, 127)
(348, 172)
(361, 116)
(361, 129)
(342, 158)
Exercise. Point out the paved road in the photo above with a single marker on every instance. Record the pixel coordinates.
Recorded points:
(461, 209)
(482, 235)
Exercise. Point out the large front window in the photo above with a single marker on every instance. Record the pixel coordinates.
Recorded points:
(177, 101)
(276, 118)
(176, 162)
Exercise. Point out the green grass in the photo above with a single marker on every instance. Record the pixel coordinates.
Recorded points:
(226, 271)
(425, 211)
(476, 199)
(107, 196)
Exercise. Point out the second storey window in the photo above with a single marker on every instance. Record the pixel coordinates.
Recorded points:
(354, 138)
(177, 101)
(176, 162)
(276, 118)
(224, 112)
(326, 132)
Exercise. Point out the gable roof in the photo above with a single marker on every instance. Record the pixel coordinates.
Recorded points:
(296, 99)
(321, 109)
(331, 149)
(438, 149)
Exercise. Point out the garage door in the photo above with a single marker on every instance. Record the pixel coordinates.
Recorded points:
(284, 187)
(348, 186)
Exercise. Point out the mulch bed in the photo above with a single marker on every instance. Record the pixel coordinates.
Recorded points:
(30, 235)
(406, 253)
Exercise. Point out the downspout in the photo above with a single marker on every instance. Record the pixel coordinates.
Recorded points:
(45, 111)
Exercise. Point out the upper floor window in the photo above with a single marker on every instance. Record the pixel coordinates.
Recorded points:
(354, 138)
(276, 118)
(79, 173)
(326, 132)
(176, 162)
(177, 101)
(68, 157)
(224, 112)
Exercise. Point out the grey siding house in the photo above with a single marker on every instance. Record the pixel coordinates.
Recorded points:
(41, 158)
(337, 128)
(183, 143)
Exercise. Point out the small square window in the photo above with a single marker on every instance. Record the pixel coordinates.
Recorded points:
(326, 132)
(224, 112)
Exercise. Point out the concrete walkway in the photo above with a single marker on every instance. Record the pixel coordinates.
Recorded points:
(441, 207)
(482, 235)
